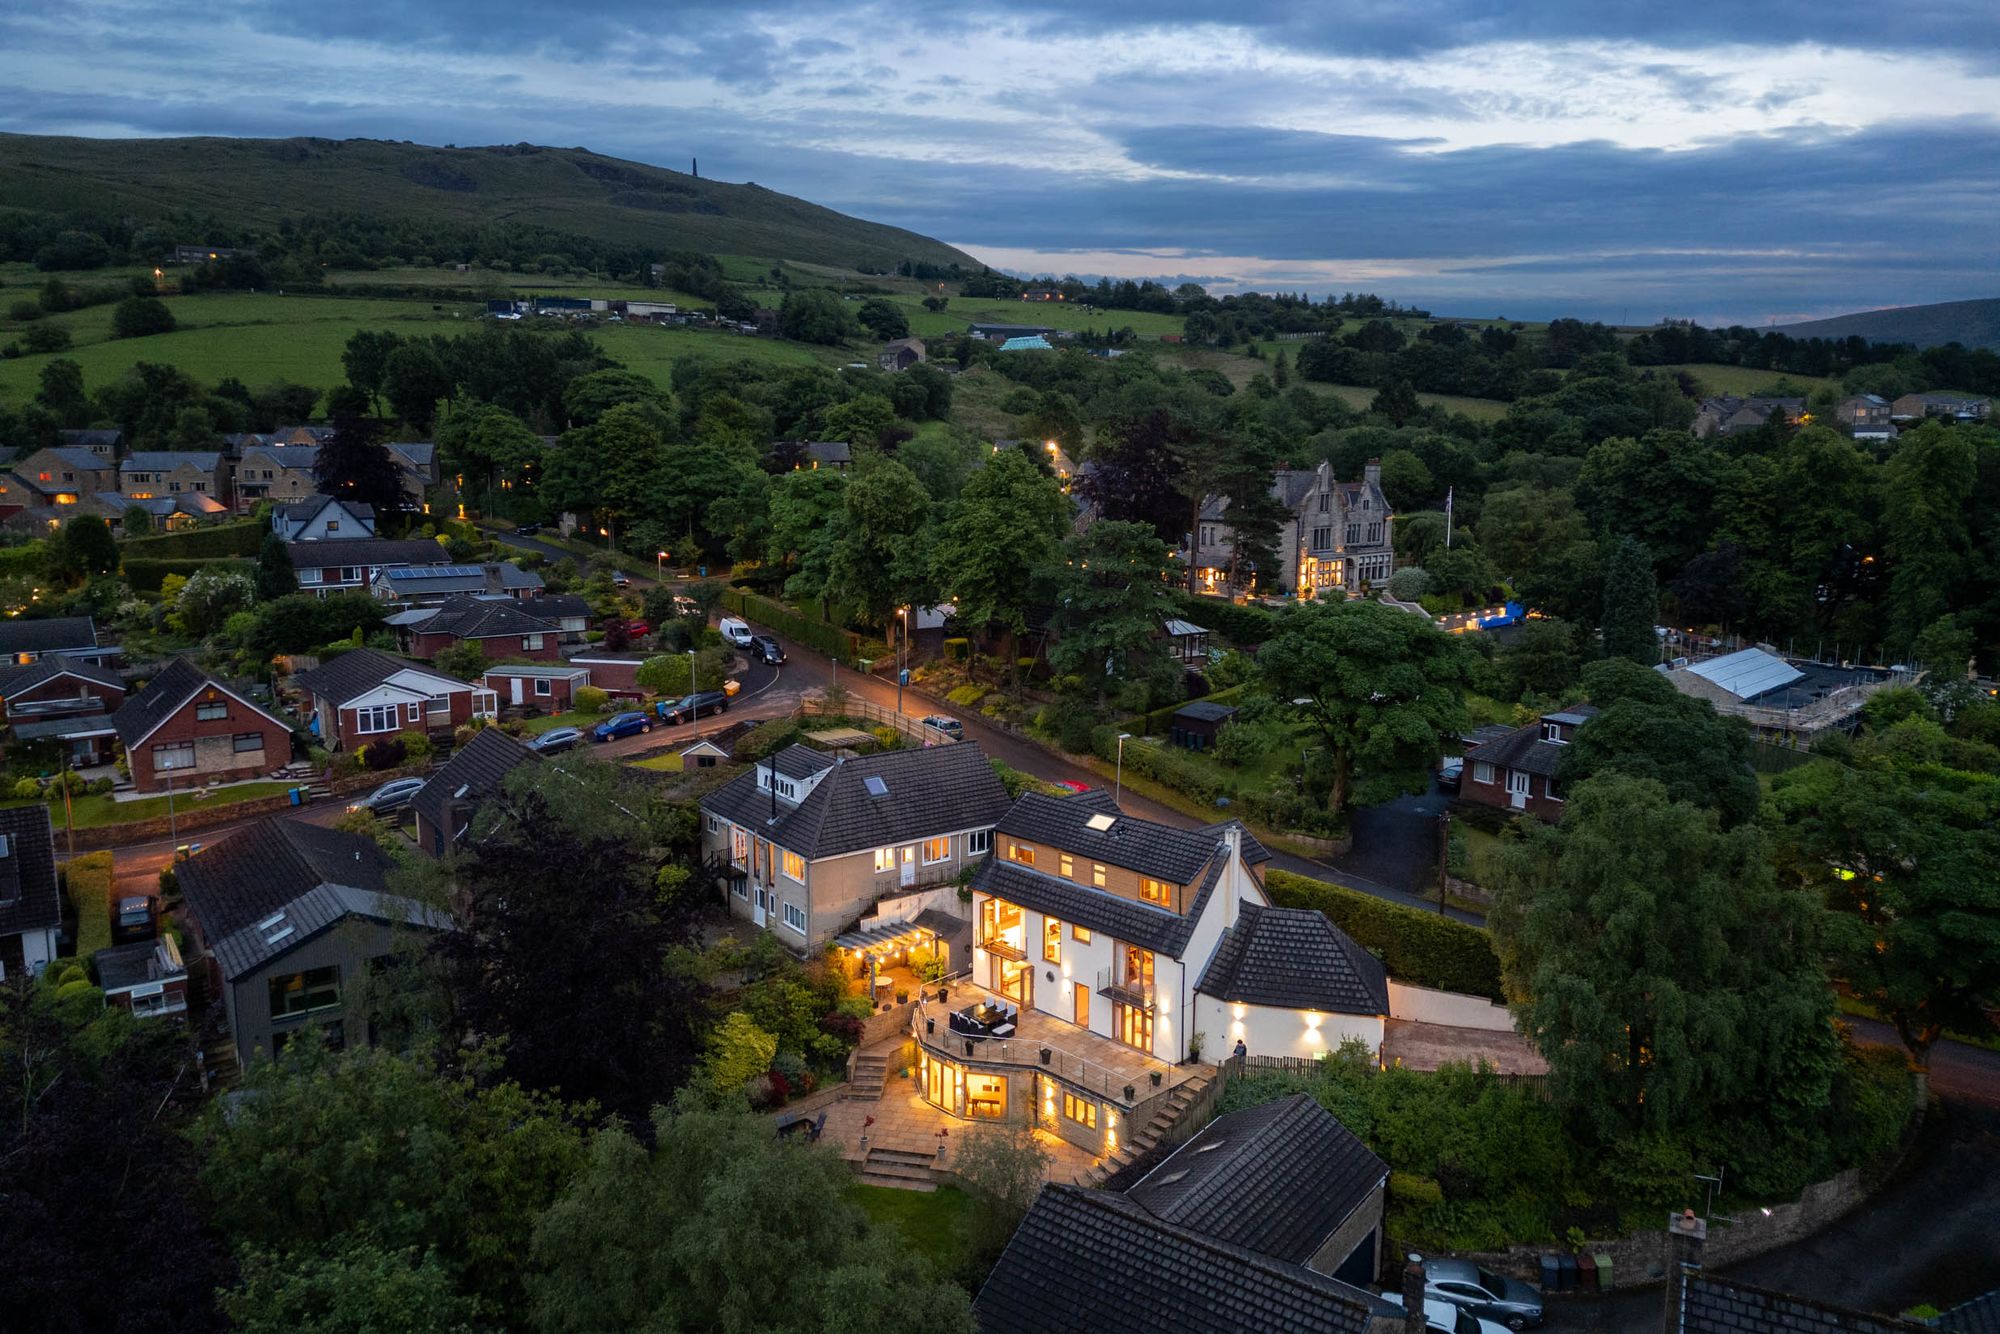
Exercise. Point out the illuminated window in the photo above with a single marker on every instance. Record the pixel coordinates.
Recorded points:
(1080, 1110)
(795, 867)
(1080, 935)
(1051, 940)
(1097, 875)
(1154, 891)
(1068, 869)
(985, 1097)
(936, 850)
(1023, 855)
(885, 859)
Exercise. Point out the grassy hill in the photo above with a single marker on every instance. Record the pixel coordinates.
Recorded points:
(1973, 323)
(258, 182)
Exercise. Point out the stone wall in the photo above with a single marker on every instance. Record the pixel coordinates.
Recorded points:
(192, 814)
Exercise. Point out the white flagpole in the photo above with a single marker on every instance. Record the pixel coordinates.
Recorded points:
(1448, 493)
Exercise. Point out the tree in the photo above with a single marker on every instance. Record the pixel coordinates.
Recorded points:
(86, 547)
(884, 319)
(352, 466)
(1645, 728)
(1406, 482)
(1541, 660)
(805, 511)
(465, 659)
(414, 378)
(558, 896)
(136, 523)
(879, 559)
(589, 397)
(814, 315)
(302, 623)
(1397, 401)
(366, 361)
(60, 390)
(1006, 1166)
(367, 1146)
(668, 674)
(352, 1287)
(275, 576)
(722, 1227)
(211, 596)
(862, 420)
(1631, 604)
(1383, 688)
(615, 469)
(139, 316)
(1661, 969)
(97, 1176)
(1112, 595)
(1925, 488)
(1009, 520)
(1905, 852)
(488, 445)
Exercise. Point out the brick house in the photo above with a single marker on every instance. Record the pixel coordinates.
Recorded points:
(1337, 536)
(571, 614)
(364, 694)
(75, 637)
(30, 903)
(502, 627)
(185, 726)
(351, 565)
(57, 698)
(1517, 772)
(548, 686)
(429, 585)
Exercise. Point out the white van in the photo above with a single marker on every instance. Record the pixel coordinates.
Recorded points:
(735, 631)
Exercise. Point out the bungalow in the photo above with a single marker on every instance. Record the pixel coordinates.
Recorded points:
(65, 701)
(812, 842)
(427, 586)
(570, 614)
(186, 725)
(322, 518)
(1517, 771)
(445, 803)
(365, 693)
(147, 978)
(75, 637)
(614, 673)
(327, 566)
(284, 919)
(64, 475)
(30, 905)
(182, 509)
(1951, 407)
(900, 354)
(502, 627)
(551, 686)
(149, 473)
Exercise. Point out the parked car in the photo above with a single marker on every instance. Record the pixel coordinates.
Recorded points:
(557, 740)
(621, 724)
(951, 727)
(763, 648)
(1444, 1318)
(620, 579)
(527, 530)
(1450, 772)
(735, 630)
(1485, 1294)
(133, 918)
(392, 796)
(690, 707)
(1072, 785)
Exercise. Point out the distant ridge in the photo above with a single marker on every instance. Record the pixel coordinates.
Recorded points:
(256, 183)
(1973, 323)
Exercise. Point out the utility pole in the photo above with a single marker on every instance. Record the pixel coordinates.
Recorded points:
(1444, 857)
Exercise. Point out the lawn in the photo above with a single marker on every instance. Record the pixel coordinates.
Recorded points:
(550, 721)
(480, 283)
(1747, 380)
(1240, 369)
(936, 1223)
(665, 764)
(95, 812)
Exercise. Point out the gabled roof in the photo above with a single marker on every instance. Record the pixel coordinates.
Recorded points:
(1747, 673)
(1296, 959)
(1136, 923)
(1981, 1315)
(28, 897)
(166, 460)
(556, 606)
(270, 888)
(359, 670)
(87, 438)
(473, 773)
(14, 680)
(417, 453)
(47, 635)
(465, 617)
(376, 551)
(1092, 1259)
(1524, 749)
(1158, 850)
(924, 793)
(456, 578)
(1278, 1178)
(166, 695)
(1712, 1304)
(78, 457)
(300, 510)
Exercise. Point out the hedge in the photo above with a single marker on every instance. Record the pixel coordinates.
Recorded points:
(828, 639)
(147, 575)
(88, 879)
(24, 561)
(1168, 765)
(1237, 624)
(1155, 723)
(217, 540)
(1420, 948)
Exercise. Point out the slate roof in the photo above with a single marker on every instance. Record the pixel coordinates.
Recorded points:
(1296, 959)
(166, 460)
(1161, 851)
(165, 695)
(1203, 711)
(84, 459)
(47, 635)
(376, 551)
(360, 670)
(87, 438)
(1981, 1315)
(931, 791)
(467, 617)
(1278, 1178)
(557, 606)
(1088, 1259)
(457, 578)
(28, 898)
(15, 679)
(305, 509)
(473, 773)
(198, 503)
(1523, 747)
(1093, 909)
(417, 453)
(1711, 1304)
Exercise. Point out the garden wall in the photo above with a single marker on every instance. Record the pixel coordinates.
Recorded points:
(197, 815)
(1425, 1005)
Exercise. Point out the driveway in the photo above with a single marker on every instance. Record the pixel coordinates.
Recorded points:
(1395, 845)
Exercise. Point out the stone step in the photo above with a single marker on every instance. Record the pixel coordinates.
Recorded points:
(868, 1178)
(877, 1166)
(907, 1157)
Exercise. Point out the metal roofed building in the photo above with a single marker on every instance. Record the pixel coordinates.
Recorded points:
(430, 584)
(1778, 697)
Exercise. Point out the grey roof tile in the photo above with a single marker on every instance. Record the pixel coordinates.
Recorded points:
(931, 791)
(1981, 1315)
(164, 695)
(1296, 959)
(28, 897)
(375, 551)
(474, 772)
(468, 617)
(1093, 909)
(15, 679)
(358, 671)
(1162, 851)
(47, 634)
(1712, 1304)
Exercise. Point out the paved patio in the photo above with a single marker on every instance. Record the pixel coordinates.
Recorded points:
(1088, 1060)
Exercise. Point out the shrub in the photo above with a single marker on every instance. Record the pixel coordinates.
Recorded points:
(738, 1050)
(28, 789)
(99, 786)
(828, 639)
(148, 575)
(958, 650)
(221, 540)
(384, 754)
(968, 695)
(1239, 625)
(590, 699)
(1419, 948)
(88, 879)
(1409, 583)
(416, 746)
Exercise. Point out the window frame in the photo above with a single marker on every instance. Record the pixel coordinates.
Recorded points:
(786, 862)
(1099, 876)
(238, 748)
(544, 688)
(1482, 772)
(790, 910)
(1079, 1110)
(1052, 929)
(279, 992)
(163, 749)
(365, 714)
(211, 710)
(1020, 854)
(1067, 865)
(1079, 934)
(978, 843)
(941, 845)
(1155, 891)
(885, 860)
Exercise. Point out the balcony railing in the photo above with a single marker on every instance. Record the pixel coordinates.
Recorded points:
(1125, 990)
(1001, 948)
(930, 1022)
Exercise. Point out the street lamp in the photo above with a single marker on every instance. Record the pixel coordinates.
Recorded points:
(659, 567)
(903, 612)
(694, 689)
(1118, 796)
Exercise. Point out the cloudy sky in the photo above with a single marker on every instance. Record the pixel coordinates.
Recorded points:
(1621, 159)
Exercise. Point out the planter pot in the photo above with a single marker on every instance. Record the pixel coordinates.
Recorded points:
(1130, 1092)
(968, 1047)
(1046, 1054)
(930, 1025)
(1156, 1078)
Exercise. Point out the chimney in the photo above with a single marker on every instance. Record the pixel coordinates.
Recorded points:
(1686, 1235)
(493, 584)
(1414, 1321)
(1371, 472)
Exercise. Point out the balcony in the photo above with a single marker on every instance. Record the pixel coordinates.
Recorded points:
(1136, 992)
(952, 1030)
(1002, 948)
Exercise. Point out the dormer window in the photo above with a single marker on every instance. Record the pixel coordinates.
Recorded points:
(1553, 732)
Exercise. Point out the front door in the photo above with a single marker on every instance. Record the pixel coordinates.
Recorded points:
(1016, 980)
(757, 913)
(517, 691)
(909, 867)
(1517, 788)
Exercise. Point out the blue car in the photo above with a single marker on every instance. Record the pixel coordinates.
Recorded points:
(621, 724)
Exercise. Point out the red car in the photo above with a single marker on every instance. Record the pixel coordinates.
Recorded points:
(636, 629)
(1072, 785)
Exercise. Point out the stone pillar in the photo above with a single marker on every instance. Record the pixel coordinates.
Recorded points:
(1413, 1294)
(1686, 1235)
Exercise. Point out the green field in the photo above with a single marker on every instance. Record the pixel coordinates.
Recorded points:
(480, 284)
(1240, 369)
(964, 311)
(1745, 380)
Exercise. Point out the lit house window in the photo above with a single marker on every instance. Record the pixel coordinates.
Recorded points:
(1023, 855)
(1153, 891)
(795, 869)
(936, 850)
(1052, 940)
(1068, 867)
(1080, 1110)
(1097, 875)
(885, 859)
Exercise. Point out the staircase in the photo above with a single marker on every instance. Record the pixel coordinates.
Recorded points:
(900, 1169)
(870, 1073)
(216, 1059)
(1149, 1145)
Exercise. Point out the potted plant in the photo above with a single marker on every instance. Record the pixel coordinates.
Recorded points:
(1130, 1092)
(1195, 1039)
(1046, 1054)
(930, 1024)
(902, 995)
(1156, 1078)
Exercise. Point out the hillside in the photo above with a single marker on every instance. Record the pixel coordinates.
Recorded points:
(259, 182)
(1973, 323)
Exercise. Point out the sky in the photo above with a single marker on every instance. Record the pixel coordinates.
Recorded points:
(1626, 160)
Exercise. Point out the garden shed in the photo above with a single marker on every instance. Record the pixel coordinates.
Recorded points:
(1195, 726)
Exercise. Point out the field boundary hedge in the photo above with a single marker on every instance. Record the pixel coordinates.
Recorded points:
(217, 541)
(1420, 948)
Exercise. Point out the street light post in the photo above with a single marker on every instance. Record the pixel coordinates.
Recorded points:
(1118, 795)
(694, 688)
(173, 829)
(901, 648)
(659, 567)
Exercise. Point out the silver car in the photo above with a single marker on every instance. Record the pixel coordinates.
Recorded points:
(1488, 1295)
(392, 796)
